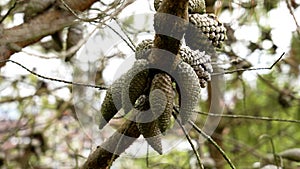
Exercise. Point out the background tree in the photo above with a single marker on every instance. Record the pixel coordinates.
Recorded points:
(39, 128)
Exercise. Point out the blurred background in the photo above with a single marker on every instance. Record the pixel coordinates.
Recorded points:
(39, 127)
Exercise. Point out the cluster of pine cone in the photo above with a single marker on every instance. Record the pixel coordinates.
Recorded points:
(150, 93)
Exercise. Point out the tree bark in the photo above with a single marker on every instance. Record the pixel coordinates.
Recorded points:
(14, 39)
(170, 21)
(105, 154)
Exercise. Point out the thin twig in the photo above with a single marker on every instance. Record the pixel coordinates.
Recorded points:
(40, 55)
(53, 79)
(293, 15)
(75, 48)
(273, 148)
(250, 69)
(116, 32)
(123, 30)
(117, 10)
(9, 11)
(76, 15)
(189, 139)
(213, 143)
(249, 117)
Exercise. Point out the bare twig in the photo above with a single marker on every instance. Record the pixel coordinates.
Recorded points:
(9, 11)
(75, 48)
(40, 55)
(273, 148)
(189, 139)
(250, 69)
(293, 15)
(249, 117)
(54, 79)
(116, 32)
(76, 15)
(213, 143)
(118, 10)
(82, 41)
(123, 30)
(19, 99)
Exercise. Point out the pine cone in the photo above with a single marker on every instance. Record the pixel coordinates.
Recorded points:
(161, 99)
(208, 25)
(150, 130)
(112, 102)
(189, 86)
(195, 6)
(136, 81)
(199, 61)
(143, 49)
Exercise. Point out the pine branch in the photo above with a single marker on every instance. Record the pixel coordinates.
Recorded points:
(101, 158)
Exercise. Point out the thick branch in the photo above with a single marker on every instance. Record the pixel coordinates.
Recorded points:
(13, 39)
(105, 154)
(169, 24)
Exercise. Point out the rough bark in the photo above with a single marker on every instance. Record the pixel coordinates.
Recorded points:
(101, 158)
(14, 39)
(166, 24)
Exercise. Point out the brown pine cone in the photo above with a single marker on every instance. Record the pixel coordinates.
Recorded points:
(189, 87)
(161, 99)
(143, 49)
(209, 25)
(136, 81)
(112, 102)
(199, 61)
(150, 130)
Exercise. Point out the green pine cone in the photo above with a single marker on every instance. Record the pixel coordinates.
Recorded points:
(150, 130)
(112, 102)
(161, 99)
(189, 87)
(136, 81)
